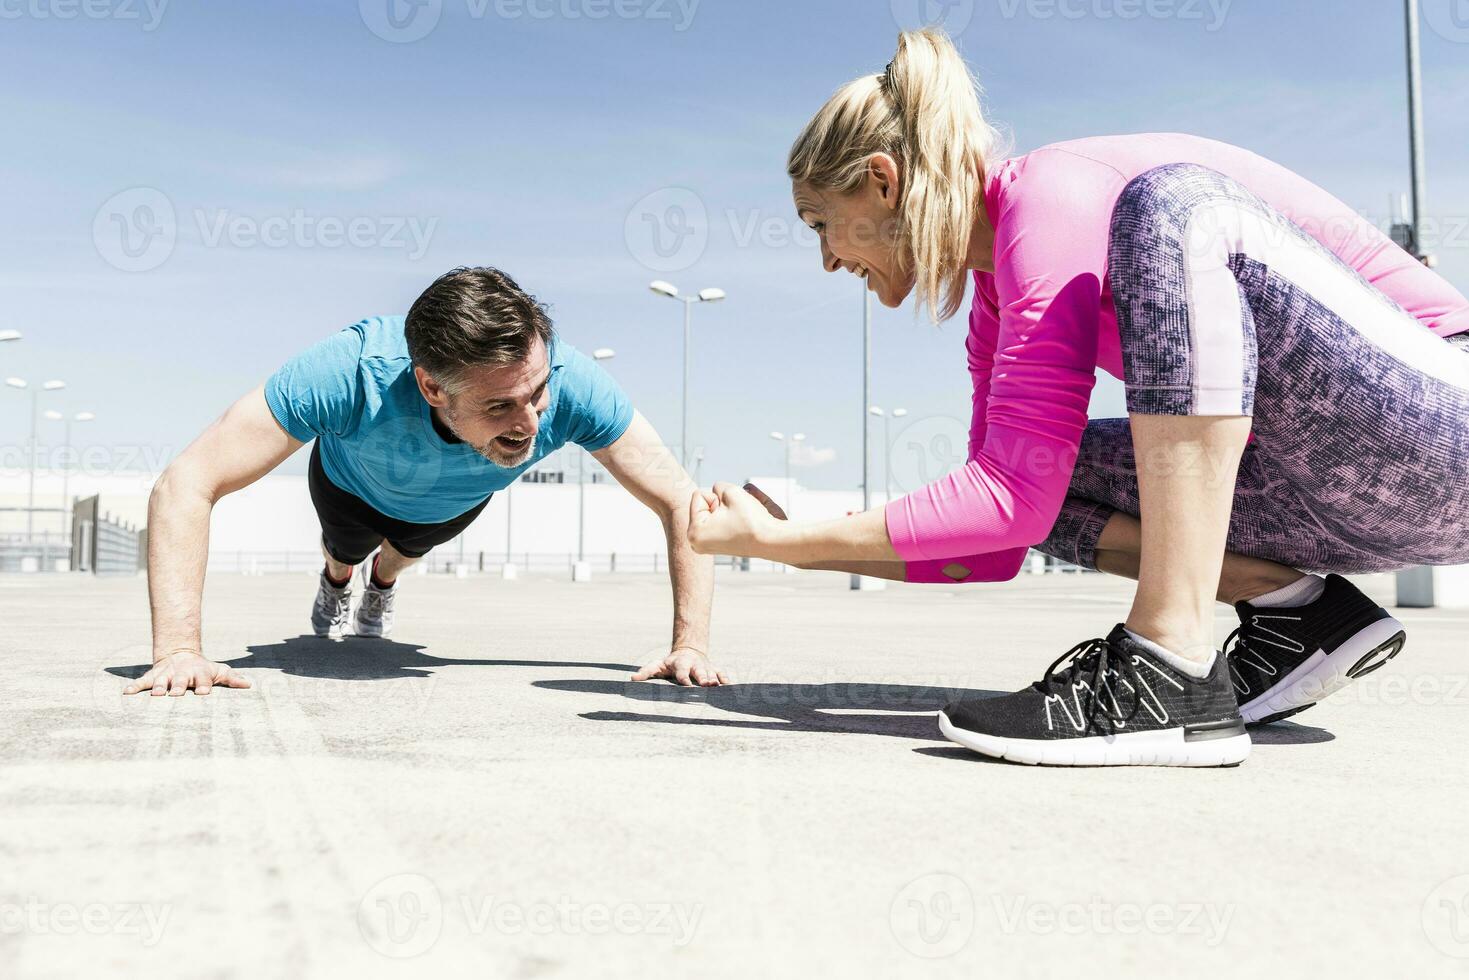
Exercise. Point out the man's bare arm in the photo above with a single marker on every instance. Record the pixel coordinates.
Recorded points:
(644, 466)
(239, 448)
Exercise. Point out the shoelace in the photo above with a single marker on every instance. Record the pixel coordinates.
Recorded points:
(372, 603)
(335, 605)
(1240, 638)
(1096, 656)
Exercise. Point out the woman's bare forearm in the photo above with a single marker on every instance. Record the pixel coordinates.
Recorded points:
(893, 571)
(859, 538)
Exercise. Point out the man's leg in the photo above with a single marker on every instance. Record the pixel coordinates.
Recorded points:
(338, 573)
(389, 564)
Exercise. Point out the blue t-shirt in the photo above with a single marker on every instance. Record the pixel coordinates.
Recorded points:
(356, 393)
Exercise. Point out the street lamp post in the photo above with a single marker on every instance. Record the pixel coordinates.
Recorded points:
(581, 571)
(66, 463)
(789, 446)
(35, 405)
(858, 581)
(1415, 128)
(887, 448)
(710, 295)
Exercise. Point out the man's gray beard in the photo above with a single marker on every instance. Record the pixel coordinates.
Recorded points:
(488, 450)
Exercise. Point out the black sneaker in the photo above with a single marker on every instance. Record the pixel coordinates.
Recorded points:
(1283, 660)
(1114, 704)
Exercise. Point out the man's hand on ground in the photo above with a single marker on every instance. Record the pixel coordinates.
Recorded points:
(178, 672)
(685, 666)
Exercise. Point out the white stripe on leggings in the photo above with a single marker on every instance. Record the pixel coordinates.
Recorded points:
(1216, 321)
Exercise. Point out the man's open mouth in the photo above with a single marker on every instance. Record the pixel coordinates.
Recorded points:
(512, 443)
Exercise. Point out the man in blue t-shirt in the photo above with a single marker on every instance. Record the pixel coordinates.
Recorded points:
(417, 421)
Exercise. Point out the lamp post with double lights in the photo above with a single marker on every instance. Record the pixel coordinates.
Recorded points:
(710, 295)
(22, 384)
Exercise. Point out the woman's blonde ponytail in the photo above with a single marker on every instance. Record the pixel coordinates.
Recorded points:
(925, 112)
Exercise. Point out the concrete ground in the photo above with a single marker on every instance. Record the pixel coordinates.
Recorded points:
(487, 796)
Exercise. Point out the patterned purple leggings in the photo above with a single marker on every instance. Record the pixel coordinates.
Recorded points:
(1360, 457)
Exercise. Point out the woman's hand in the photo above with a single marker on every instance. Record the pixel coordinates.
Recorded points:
(732, 521)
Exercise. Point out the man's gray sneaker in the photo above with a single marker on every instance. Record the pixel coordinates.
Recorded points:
(329, 614)
(375, 611)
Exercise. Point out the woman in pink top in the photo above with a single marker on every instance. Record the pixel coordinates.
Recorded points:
(1297, 391)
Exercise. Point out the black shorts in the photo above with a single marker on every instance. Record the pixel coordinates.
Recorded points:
(351, 528)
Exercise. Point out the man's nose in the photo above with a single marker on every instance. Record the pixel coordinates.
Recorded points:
(528, 422)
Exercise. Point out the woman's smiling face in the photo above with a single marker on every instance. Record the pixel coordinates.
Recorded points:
(859, 230)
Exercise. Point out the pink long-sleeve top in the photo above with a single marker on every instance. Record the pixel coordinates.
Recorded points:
(1043, 322)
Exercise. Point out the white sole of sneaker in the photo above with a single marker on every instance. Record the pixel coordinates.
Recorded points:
(1158, 748)
(1322, 675)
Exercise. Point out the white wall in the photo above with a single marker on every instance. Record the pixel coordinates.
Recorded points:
(275, 515)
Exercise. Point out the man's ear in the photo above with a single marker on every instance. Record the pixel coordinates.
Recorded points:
(432, 391)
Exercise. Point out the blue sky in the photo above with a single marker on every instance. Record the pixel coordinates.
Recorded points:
(533, 134)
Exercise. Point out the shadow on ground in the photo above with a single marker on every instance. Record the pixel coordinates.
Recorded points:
(362, 659)
(898, 710)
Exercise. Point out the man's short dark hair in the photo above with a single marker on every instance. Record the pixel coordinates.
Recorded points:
(470, 317)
